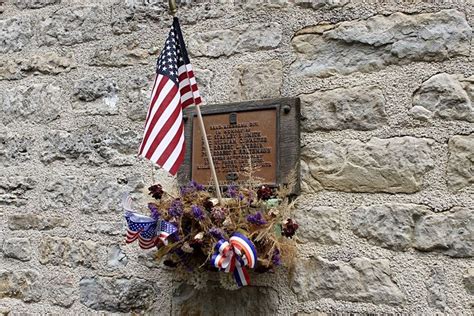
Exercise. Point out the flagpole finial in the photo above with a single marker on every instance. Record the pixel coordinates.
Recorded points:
(173, 8)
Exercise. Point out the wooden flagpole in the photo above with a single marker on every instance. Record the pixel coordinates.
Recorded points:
(173, 9)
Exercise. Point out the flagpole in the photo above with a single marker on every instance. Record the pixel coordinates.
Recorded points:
(173, 9)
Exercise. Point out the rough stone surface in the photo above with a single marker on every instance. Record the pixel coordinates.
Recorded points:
(214, 300)
(257, 81)
(13, 189)
(460, 168)
(388, 225)
(104, 90)
(59, 194)
(27, 221)
(62, 291)
(451, 232)
(436, 288)
(15, 33)
(240, 39)
(117, 294)
(68, 252)
(447, 96)
(39, 103)
(106, 227)
(20, 284)
(321, 4)
(17, 248)
(371, 44)
(359, 108)
(116, 258)
(34, 4)
(320, 224)
(381, 165)
(360, 280)
(468, 280)
(120, 55)
(14, 149)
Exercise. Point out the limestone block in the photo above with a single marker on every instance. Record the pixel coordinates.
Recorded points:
(321, 4)
(49, 63)
(60, 251)
(14, 149)
(468, 281)
(71, 25)
(59, 194)
(204, 78)
(239, 39)
(15, 34)
(106, 227)
(359, 108)
(62, 291)
(20, 284)
(391, 165)
(120, 55)
(13, 189)
(117, 294)
(447, 96)
(372, 44)
(388, 225)
(258, 300)
(436, 286)
(460, 170)
(38, 102)
(34, 4)
(450, 232)
(17, 248)
(257, 81)
(25, 221)
(116, 258)
(360, 280)
(137, 92)
(319, 224)
(95, 145)
(96, 88)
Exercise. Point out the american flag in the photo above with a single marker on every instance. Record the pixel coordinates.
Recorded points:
(142, 228)
(174, 89)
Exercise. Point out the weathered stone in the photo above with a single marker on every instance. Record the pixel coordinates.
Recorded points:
(49, 63)
(92, 89)
(359, 108)
(39, 103)
(117, 294)
(320, 224)
(124, 24)
(17, 248)
(447, 96)
(436, 286)
(450, 232)
(27, 221)
(137, 97)
(116, 258)
(13, 189)
(59, 194)
(34, 4)
(321, 4)
(204, 78)
(239, 39)
(95, 145)
(62, 291)
(104, 195)
(460, 169)
(106, 227)
(196, 12)
(372, 44)
(143, 10)
(213, 300)
(120, 55)
(15, 34)
(20, 284)
(420, 113)
(71, 25)
(468, 280)
(14, 149)
(388, 225)
(257, 81)
(68, 252)
(381, 165)
(360, 280)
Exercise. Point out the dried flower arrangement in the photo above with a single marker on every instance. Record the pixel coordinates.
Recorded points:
(251, 228)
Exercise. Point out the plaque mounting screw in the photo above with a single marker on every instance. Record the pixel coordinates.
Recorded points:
(286, 109)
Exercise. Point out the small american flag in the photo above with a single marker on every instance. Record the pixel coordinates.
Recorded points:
(174, 89)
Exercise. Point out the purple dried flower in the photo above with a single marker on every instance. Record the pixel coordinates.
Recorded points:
(197, 212)
(176, 209)
(216, 233)
(256, 219)
(232, 191)
(276, 258)
(218, 214)
(155, 213)
(191, 187)
(197, 186)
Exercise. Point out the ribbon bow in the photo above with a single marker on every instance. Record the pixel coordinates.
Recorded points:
(234, 255)
(149, 231)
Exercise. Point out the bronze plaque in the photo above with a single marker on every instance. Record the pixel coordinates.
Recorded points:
(238, 140)
(263, 135)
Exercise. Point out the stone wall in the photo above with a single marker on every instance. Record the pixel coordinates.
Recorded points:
(387, 91)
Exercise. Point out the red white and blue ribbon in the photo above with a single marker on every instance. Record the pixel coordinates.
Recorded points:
(234, 255)
(147, 230)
